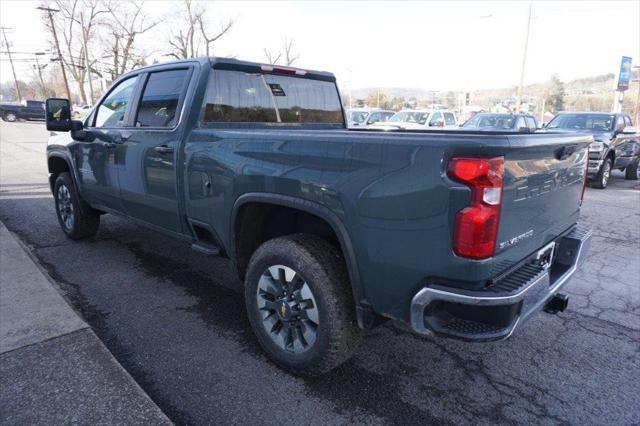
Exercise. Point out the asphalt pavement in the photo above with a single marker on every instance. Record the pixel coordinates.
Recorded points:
(175, 320)
(53, 368)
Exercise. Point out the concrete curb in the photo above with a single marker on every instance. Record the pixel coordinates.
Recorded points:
(53, 368)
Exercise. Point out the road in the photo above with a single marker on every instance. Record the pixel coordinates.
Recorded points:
(175, 320)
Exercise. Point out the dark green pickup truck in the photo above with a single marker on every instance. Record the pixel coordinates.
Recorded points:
(460, 234)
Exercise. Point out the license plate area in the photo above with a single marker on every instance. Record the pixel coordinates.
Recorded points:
(544, 257)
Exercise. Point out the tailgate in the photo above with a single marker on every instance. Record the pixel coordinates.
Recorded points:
(543, 185)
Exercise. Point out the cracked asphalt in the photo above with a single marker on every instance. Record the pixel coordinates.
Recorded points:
(175, 320)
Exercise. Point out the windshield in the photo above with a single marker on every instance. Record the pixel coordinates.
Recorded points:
(410, 117)
(358, 116)
(602, 122)
(493, 121)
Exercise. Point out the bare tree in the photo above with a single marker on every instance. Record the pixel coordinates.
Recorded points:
(128, 21)
(288, 54)
(272, 57)
(75, 23)
(208, 41)
(187, 43)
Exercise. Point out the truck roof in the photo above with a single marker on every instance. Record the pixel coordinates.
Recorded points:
(239, 65)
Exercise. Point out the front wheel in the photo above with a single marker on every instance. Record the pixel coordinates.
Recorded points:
(604, 174)
(77, 219)
(300, 305)
(631, 172)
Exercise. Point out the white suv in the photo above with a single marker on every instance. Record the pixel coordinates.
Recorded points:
(421, 119)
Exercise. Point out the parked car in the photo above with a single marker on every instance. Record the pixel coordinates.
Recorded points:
(332, 231)
(496, 122)
(364, 117)
(616, 146)
(28, 110)
(420, 119)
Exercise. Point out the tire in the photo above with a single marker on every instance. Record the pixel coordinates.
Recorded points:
(76, 218)
(631, 172)
(325, 332)
(604, 174)
(10, 117)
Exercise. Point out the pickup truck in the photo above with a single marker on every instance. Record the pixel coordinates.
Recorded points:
(616, 143)
(523, 123)
(29, 110)
(460, 234)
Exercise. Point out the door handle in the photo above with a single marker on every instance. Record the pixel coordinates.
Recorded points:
(108, 145)
(164, 149)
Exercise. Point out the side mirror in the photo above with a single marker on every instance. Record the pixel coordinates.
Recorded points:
(630, 130)
(524, 130)
(58, 114)
(438, 123)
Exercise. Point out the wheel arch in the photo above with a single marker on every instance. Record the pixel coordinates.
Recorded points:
(322, 213)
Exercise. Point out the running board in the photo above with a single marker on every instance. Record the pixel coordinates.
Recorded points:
(207, 249)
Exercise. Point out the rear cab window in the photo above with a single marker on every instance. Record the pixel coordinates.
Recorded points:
(272, 99)
(161, 98)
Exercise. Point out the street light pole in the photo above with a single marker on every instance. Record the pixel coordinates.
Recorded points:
(55, 38)
(524, 62)
(15, 79)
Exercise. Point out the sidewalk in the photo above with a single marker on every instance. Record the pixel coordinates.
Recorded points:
(53, 368)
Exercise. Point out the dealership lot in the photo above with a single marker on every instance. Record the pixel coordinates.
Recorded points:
(175, 320)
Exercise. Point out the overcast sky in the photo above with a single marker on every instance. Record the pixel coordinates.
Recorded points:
(429, 45)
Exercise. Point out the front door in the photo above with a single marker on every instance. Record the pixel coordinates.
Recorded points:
(147, 171)
(101, 145)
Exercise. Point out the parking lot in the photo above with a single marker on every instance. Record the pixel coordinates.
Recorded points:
(175, 320)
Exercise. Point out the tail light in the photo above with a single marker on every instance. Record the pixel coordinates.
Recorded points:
(476, 226)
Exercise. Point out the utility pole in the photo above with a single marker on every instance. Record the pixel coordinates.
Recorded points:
(55, 38)
(86, 57)
(524, 62)
(15, 79)
(39, 68)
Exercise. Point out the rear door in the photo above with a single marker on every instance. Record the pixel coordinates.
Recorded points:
(543, 185)
(147, 167)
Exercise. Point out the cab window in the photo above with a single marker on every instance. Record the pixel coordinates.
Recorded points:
(374, 118)
(435, 117)
(449, 119)
(159, 106)
(113, 109)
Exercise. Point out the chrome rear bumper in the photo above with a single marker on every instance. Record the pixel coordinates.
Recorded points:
(496, 312)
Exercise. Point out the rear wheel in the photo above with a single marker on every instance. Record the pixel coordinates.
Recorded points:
(631, 172)
(300, 305)
(77, 219)
(604, 174)
(9, 116)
